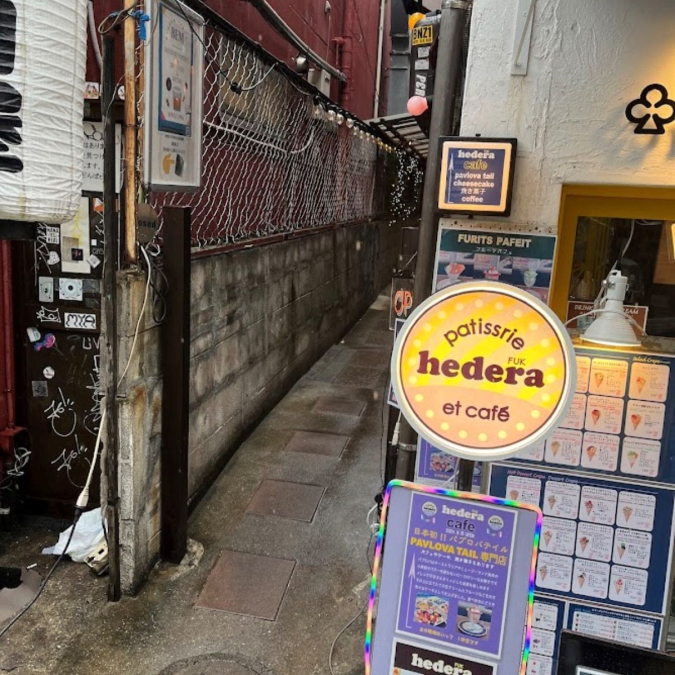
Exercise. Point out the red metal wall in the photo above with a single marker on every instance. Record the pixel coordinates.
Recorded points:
(355, 19)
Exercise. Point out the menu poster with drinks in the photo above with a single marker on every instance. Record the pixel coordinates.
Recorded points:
(601, 541)
(524, 260)
(453, 593)
(622, 419)
(439, 468)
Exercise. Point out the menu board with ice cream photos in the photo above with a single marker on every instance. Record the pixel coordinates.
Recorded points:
(524, 260)
(622, 419)
(607, 542)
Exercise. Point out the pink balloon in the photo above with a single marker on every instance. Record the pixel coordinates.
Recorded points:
(417, 105)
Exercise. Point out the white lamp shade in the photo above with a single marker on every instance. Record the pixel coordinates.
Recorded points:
(611, 328)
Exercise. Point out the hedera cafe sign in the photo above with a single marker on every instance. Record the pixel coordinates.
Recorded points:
(484, 370)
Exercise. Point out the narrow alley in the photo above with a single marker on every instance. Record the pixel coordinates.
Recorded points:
(286, 548)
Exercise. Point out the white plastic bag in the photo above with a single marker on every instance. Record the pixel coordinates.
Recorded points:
(88, 535)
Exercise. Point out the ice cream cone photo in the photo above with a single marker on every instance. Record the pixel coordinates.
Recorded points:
(618, 586)
(555, 447)
(583, 542)
(589, 507)
(552, 501)
(627, 512)
(599, 379)
(547, 537)
(632, 458)
(514, 494)
(581, 579)
(621, 549)
(543, 572)
(596, 415)
(640, 382)
(636, 421)
(591, 451)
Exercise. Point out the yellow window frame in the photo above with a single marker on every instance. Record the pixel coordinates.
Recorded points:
(600, 201)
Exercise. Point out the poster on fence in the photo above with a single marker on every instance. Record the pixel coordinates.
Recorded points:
(174, 96)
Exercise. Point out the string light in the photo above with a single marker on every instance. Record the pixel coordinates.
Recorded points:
(340, 119)
(350, 123)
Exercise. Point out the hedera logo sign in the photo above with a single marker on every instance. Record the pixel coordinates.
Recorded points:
(484, 370)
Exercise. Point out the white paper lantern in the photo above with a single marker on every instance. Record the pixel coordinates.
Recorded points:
(43, 51)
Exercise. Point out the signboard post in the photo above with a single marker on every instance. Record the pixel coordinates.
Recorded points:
(484, 371)
(456, 587)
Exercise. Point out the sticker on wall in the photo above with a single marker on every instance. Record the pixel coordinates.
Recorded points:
(53, 258)
(80, 321)
(48, 315)
(70, 289)
(75, 238)
(651, 111)
(94, 261)
(33, 334)
(49, 373)
(52, 234)
(48, 342)
(46, 289)
(40, 389)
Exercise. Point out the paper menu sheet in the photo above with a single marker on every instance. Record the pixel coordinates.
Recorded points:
(649, 382)
(615, 626)
(608, 377)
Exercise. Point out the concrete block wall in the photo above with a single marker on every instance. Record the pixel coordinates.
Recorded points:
(260, 319)
(262, 316)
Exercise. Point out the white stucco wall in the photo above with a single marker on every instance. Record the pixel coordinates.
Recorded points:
(588, 60)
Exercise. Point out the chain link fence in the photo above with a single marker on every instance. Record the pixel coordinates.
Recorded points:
(277, 158)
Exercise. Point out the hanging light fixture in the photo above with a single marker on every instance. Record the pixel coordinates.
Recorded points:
(611, 326)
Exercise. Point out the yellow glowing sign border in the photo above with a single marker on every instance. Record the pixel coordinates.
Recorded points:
(466, 451)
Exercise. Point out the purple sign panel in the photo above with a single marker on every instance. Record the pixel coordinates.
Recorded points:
(456, 576)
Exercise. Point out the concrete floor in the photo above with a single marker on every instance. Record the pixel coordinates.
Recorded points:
(72, 630)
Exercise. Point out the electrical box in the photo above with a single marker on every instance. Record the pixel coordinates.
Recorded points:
(320, 79)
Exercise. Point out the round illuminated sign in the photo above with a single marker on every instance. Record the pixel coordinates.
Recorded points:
(484, 370)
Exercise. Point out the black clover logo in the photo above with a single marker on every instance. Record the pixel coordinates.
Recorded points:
(652, 111)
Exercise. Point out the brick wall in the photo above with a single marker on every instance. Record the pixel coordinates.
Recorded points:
(260, 319)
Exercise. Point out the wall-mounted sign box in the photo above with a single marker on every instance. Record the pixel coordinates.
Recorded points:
(483, 370)
(477, 175)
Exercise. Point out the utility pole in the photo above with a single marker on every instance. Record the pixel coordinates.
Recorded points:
(448, 66)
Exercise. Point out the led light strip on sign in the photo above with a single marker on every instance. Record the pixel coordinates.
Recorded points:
(483, 370)
(458, 495)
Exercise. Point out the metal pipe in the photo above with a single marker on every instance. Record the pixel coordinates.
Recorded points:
(110, 344)
(380, 49)
(347, 56)
(130, 135)
(270, 15)
(453, 19)
(5, 250)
